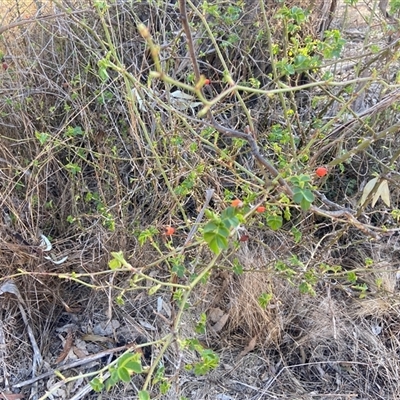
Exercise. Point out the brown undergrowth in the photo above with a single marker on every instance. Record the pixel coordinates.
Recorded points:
(97, 157)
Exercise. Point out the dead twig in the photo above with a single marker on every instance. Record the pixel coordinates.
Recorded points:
(10, 287)
(73, 364)
(33, 20)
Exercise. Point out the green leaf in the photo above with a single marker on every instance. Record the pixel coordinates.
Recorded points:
(109, 384)
(362, 288)
(308, 195)
(238, 269)
(264, 299)
(300, 62)
(221, 242)
(216, 229)
(352, 277)
(209, 236)
(72, 132)
(200, 369)
(306, 288)
(209, 214)
(229, 217)
(296, 234)
(287, 214)
(304, 178)
(305, 205)
(231, 222)
(42, 137)
(118, 260)
(300, 181)
(223, 231)
(159, 374)
(103, 74)
(297, 195)
(201, 325)
(179, 270)
(304, 197)
(135, 366)
(112, 380)
(164, 387)
(274, 222)
(147, 234)
(73, 168)
(209, 361)
(119, 300)
(118, 256)
(144, 395)
(131, 362)
(114, 264)
(154, 289)
(288, 69)
(123, 374)
(78, 131)
(229, 212)
(97, 385)
(211, 227)
(114, 374)
(216, 242)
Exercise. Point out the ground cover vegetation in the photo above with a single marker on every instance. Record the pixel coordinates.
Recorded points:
(199, 199)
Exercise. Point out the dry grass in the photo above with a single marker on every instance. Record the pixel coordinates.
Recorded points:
(82, 164)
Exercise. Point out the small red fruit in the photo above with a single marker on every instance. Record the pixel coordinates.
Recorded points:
(260, 209)
(244, 238)
(321, 171)
(5, 66)
(237, 203)
(169, 231)
(207, 82)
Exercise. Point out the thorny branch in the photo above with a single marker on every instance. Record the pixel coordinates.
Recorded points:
(340, 212)
(188, 33)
